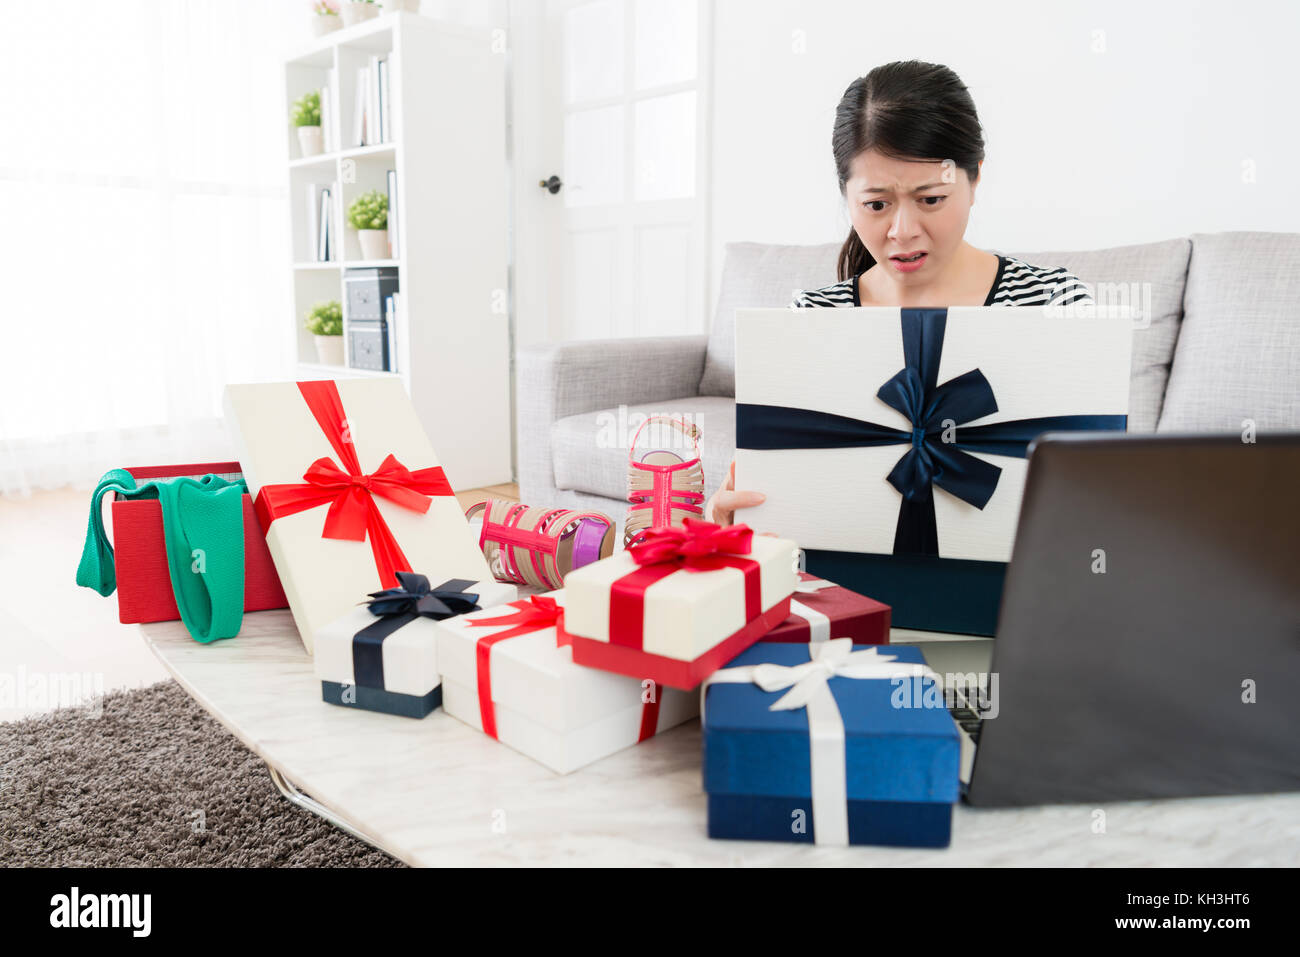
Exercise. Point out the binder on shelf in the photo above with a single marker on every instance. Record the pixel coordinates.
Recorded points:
(390, 315)
(393, 250)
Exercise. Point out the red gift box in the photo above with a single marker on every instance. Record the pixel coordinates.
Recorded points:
(832, 612)
(144, 586)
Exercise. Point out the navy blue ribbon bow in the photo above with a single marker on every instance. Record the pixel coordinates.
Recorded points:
(397, 607)
(938, 453)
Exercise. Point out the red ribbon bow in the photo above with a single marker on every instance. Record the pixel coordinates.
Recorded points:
(695, 539)
(532, 614)
(353, 515)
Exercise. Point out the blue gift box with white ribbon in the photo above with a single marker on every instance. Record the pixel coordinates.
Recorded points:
(829, 744)
(892, 443)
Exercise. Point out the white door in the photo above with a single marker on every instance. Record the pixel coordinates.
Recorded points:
(622, 95)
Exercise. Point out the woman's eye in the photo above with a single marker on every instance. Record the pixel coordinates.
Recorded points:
(871, 203)
(937, 200)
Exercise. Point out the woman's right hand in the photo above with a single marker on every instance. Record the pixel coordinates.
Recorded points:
(721, 507)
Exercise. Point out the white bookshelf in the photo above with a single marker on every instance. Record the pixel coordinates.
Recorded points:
(447, 147)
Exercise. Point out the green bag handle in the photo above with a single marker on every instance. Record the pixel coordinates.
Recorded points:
(203, 529)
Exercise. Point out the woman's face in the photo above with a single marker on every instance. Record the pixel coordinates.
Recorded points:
(902, 207)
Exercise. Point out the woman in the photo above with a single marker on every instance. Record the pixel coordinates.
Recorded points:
(909, 213)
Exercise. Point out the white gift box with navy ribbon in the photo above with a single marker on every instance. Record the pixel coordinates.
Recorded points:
(815, 744)
(891, 443)
(383, 655)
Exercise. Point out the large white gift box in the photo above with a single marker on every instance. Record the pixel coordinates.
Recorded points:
(388, 662)
(348, 491)
(506, 673)
(902, 434)
(681, 603)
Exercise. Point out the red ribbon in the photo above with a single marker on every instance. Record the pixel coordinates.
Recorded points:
(350, 493)
(532, 614)
(697, 546)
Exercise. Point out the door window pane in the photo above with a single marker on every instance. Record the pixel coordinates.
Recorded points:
(594, 156)
(593, 51)
(665, 147)
(665, 42)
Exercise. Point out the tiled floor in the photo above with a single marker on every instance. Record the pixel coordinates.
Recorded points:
(55, 635)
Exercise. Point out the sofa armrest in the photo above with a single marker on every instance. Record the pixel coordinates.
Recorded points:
(560, 379)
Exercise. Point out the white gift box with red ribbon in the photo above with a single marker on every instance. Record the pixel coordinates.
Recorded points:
(505, 672)
(348, 491)
(680, 604)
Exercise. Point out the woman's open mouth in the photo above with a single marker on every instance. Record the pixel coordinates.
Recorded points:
(909, 263)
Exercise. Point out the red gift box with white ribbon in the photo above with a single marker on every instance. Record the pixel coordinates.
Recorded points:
(822, 610)
(681, 603)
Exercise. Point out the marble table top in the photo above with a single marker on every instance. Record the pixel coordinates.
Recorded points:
(434, 791)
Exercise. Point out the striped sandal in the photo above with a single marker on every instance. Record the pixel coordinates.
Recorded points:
(526, 545)
(663, 487)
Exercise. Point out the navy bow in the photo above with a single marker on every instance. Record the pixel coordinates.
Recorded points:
(397, 607)
(937, 453)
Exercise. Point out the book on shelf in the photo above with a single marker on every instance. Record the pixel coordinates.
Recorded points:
(393, 249)
(325, 240)
(385, 133)
(319, 237)
(359, 103)
(372, 115)
(327, 113)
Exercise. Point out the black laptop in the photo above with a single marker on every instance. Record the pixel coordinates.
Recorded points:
(1148, 644)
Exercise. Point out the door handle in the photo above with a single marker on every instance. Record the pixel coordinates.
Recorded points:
(551, 185)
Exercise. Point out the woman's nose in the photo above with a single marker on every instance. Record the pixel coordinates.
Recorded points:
(903, 226)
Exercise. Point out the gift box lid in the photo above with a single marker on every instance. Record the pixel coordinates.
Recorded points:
(891, 753)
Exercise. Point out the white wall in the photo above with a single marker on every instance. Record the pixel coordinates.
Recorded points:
(1142, 142)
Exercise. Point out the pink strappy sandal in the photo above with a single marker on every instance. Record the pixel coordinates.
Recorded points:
(534, 546)
(663, 487)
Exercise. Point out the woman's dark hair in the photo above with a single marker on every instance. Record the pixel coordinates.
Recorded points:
(908, 110)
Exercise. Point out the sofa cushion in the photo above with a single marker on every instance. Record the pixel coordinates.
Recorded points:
(1114, 275)
(1238, 355)
(758, 275)
(590, 449)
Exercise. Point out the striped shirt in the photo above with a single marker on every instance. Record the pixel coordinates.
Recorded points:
(1016, 284)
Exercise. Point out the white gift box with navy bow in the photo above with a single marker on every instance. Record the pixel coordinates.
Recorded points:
(890, 441)
(813, 743)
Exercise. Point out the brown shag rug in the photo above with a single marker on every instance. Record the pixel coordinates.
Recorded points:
(148, 779)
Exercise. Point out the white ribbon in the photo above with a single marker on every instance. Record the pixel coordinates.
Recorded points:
(819, 625)
(809, 689)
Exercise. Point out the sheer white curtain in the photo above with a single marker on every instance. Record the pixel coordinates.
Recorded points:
(143, 228)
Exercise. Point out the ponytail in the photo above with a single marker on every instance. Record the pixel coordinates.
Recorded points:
(854, 258)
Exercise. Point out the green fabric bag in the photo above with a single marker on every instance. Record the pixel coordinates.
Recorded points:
(203, 529)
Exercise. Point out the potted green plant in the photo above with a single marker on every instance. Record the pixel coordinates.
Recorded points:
(368, 215)
(355, 11)
(325, 322)
(306, 116)
(325, 17)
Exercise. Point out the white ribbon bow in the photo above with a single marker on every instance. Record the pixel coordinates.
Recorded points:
(808, 689)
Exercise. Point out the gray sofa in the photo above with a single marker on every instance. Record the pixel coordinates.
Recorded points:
(1222, 345)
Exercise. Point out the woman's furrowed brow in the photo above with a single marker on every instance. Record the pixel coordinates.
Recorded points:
(886, 189)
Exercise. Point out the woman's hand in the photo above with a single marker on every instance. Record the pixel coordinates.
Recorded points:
(721, 507)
